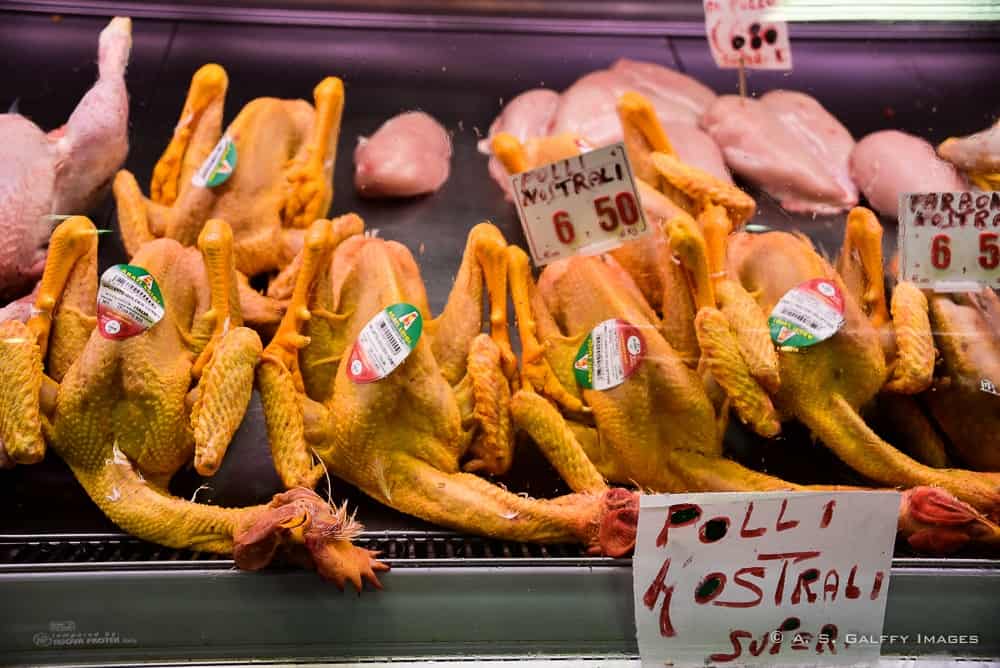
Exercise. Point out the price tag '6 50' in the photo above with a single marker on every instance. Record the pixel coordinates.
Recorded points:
(585, 205)
(950, 241)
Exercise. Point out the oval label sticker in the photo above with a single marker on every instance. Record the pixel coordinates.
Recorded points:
(807, 314)
(219, 165)
(384, 343)
(610, 354)
(128, 302)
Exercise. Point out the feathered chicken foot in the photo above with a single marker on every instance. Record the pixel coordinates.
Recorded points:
(492, 450)
(842, 430)
(306, 198)
(643, 134)
(299, 521)
(701, 186)
(21, 440)
(195, 135)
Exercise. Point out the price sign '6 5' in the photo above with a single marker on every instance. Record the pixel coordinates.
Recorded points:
(586, 204)
(950, 241)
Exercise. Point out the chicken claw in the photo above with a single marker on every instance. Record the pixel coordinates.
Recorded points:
(315, 533)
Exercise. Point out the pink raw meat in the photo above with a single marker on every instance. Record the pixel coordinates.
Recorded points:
(409, 155)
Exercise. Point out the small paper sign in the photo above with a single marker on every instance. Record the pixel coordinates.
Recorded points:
(807, 314)
(128, 302)
(743, 32)
(584, 205)
(218, 166)
(950, 241)
(763, 578)
(385, 343)
(610, 354)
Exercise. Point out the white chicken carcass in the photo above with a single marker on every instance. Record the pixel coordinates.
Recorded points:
(978, 155)
(63, 172)
(787, 144)
(408, 155)
(889, 163)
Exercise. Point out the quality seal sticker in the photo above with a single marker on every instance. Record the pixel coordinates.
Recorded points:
(219, 165)
(128, 302)
(384, 343)
(807, 314)
(610, 354)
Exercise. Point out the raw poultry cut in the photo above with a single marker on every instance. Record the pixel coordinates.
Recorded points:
(65, 171)
(528, 115)
(408, 155)
(587, 111)
(889, 163)
(272, 179)
(127, 413)
(978, 155)
(410, 438)
(787, 144)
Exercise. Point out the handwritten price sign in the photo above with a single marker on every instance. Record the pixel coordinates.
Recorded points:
(950, 241)
(764, 578)
(583, 205)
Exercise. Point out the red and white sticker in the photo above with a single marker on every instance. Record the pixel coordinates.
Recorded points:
(807, 314)
(744, 33)
(384, 343)
(583, 205)
(950, 241)
(610, 354)
(128, 302)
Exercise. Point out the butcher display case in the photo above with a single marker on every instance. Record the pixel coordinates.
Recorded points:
(78, 590)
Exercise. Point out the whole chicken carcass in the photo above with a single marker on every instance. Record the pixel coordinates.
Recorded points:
(127, 413)
(978, 155)
(787, 144)
(888, 163)
(63, 172)
(408, 155)
(269, 175)
(411, 437)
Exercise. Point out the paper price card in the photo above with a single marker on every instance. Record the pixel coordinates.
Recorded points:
(582, 205)
(763, 578)
(950, 241)
(743, 32)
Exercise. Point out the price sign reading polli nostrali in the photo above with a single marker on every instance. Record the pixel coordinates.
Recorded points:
(128, 302)
(763, 578)
(586, 204)
(950, 241)
(744, 33)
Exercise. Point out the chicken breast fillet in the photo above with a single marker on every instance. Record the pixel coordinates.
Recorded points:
(409, 155)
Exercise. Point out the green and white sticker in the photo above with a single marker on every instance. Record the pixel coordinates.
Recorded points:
(128, 302)
(807, 314)
(219, 165)
(610, 354)
(384, 343)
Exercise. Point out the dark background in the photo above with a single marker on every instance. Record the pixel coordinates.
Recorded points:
(934, 87)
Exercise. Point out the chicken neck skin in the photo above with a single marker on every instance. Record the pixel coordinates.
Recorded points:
(405, 439)
(129, 413)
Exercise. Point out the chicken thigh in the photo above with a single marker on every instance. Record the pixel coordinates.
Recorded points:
(408, 155)
(63, 172)
(889, 163)
(787, 144)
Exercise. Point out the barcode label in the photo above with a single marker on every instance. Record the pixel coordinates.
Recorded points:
(384, 343)
(602, 363)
